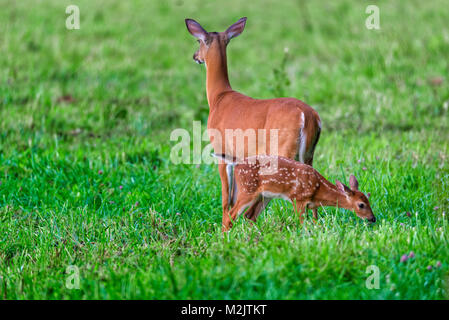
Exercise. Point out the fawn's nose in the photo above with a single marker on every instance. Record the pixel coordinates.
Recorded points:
(373, 219)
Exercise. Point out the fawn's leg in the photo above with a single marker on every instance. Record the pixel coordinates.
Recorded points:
(250, 212)
(315, 213)
(243, 202)
(300, 208)
(253, 212)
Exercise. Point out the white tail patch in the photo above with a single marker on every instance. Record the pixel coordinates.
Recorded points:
(231, 184)
(302, 146)
(302, 141)
(232, 187)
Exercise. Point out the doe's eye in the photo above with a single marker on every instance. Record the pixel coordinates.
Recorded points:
(361, 205)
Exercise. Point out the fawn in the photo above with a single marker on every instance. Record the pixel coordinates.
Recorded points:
(298, 124)
(293, 181)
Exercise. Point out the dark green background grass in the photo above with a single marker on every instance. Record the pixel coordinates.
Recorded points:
(105, 98)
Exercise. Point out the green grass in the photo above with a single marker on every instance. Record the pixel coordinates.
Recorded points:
(131, 80)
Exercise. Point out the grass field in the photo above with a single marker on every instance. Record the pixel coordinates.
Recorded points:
(86, 178)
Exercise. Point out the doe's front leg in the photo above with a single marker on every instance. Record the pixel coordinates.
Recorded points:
(224, 188)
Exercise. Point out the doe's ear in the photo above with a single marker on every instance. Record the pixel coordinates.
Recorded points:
(196, 29)
(353, 183)
(343, 188)
(236, 29)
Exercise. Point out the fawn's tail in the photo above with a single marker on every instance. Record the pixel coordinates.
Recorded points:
(230, 163)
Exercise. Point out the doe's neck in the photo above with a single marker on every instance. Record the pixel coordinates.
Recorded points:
(217, 80)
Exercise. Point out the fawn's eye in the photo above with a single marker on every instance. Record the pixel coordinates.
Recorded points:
(361, 205)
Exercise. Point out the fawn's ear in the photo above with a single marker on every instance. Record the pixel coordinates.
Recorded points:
(236, 29)
(339, 186)
(196, 29)
(343, 188)
(353, 183)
